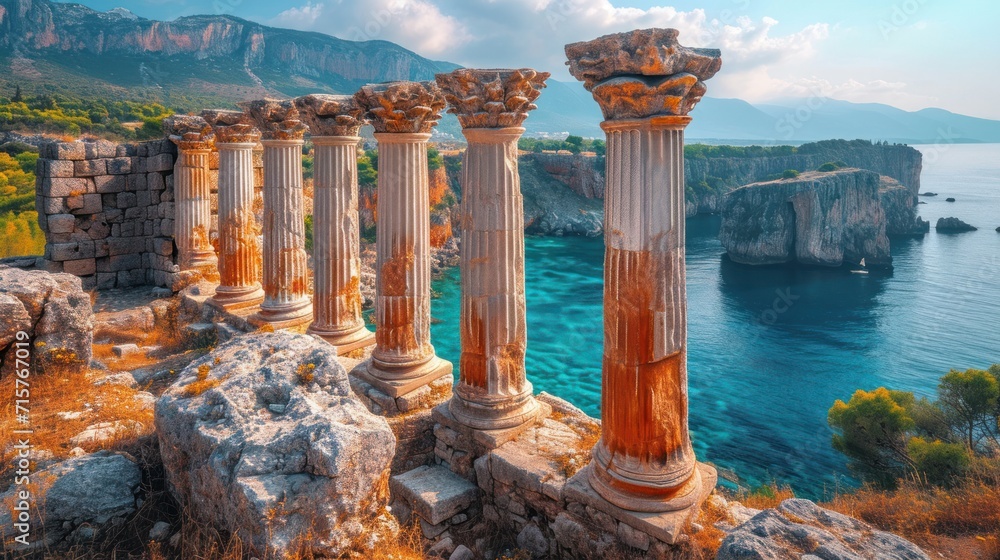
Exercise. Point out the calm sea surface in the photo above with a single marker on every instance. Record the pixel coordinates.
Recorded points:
(763, 373)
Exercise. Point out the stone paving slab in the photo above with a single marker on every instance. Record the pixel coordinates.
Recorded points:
(435, 493)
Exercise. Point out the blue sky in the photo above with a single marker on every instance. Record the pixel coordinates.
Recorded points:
(908, 53)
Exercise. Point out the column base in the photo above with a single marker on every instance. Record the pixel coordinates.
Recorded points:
(479, 441)
(668, 525)
(283, 316)
(229, 299)
(501, 415)
(345, 343)
(397, 382)
(643, 492)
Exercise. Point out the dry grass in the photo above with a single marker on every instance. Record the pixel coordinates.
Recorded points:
(915, 511)
(706, 542)
(571, 460)
(66, 392)
(766, 497)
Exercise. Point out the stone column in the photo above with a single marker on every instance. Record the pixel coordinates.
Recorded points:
(192, 193)
(334, 122)
(645, 83)
(286, 275)
(239, 247)
(493, 392)
(403, 114)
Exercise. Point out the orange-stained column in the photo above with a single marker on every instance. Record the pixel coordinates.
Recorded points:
(493, 391)
(334, 122)
(286, 275)
(403, 114)
(192, 193)
(239, 248)
(645, 83)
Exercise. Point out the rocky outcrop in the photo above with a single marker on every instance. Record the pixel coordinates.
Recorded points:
(710, 179)
(953, 225)
(825, 219)
(799, 529)
(900, 207)
(265, 439)
(55, 313)
(584, 175)
(80, 497)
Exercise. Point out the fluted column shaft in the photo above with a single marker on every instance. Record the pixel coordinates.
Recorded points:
(239, 248)
(403, 285)
(285, 274)
(192, 193)
(493, 391)
(336, 245)
(644, 460)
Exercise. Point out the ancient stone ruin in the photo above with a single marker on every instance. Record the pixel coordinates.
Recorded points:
(217, 213)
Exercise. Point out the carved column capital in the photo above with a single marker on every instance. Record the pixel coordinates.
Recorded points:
(231, 127)
(402, 106)
(189, 132)
(643, 73)
(492, 98)
(277, 120)
(331, 115)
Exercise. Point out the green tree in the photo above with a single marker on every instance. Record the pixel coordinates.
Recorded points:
(969, 398)
(939, 463)
(873, 432)
(599, 147)
(366, 171)
(434, 159)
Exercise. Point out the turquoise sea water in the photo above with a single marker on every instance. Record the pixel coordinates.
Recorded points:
(763, 373)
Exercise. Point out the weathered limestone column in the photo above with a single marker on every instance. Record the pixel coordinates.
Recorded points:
(239, 249)
(403, 114)
(646, 83)
(493, 392)
(192, 193)
(334, 122)
(286, 275)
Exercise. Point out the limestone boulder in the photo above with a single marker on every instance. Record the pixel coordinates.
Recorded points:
(53, 310)
(264, 438)
(801, 529)
(79, 497)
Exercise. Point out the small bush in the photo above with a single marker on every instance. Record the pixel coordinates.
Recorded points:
(828, 167)
(789, 174)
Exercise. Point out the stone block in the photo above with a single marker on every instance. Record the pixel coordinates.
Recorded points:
(165, 210)
(69, 150)
(434, 493)
(110, 183)
(112, 215)
(81, 267)
(135, 182)
(124, 245)
(134, 213)
(126, 200)
(61, 223)
(101, 247)
(139, 165)
(65, 186)
(106, 280)
(91, 167)
(127, 229)
(91, 204)
(74, 202)
(160, 162)
(100, 149)
(142, 198)
(125, 150)
(120, 166)
(52, 206)
(71, 251)
(55, 168)
(167, 227)
(155, 182)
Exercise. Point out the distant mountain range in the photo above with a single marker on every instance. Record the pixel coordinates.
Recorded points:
(207, 61)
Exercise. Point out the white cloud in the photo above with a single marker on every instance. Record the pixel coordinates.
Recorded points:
(510, 33)
(418, 25)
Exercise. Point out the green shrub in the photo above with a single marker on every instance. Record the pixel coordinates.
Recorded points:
(789, 174)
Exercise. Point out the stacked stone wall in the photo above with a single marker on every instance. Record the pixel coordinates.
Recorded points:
(107, 211)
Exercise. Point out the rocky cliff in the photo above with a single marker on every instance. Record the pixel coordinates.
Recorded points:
(195, 52)
(562, 187)
(825, 219)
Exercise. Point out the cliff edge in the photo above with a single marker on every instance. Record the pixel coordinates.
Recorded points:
(824, 219)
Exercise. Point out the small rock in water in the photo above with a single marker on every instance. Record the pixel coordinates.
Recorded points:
(949, 199)
(953, 225)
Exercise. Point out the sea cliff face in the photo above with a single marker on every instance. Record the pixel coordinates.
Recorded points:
(567, 183)
(823, 219)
